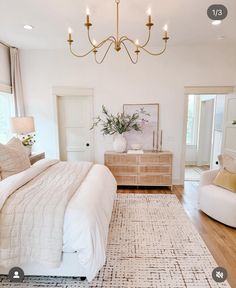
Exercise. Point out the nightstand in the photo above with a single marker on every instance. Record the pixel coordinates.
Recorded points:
(34, 157)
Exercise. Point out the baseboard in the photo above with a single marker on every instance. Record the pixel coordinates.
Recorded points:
(177, 182)
(190, 163)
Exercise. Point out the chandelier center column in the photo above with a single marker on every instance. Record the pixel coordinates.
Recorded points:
(117, 44)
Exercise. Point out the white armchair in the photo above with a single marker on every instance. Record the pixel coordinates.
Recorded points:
(215, 201)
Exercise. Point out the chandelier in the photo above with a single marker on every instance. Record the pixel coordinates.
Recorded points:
(118, 41)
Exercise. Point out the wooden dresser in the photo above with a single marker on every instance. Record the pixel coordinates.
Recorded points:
(148, 169)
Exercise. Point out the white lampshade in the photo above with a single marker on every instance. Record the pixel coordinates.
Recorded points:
(22, 125)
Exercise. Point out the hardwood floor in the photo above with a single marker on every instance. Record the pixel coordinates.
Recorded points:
(220, 239)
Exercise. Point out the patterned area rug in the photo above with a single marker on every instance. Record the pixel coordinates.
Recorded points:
(152, 243)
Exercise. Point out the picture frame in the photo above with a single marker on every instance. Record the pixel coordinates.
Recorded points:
(149, 137)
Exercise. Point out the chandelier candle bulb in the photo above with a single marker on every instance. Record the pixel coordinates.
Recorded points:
(70, 34)
(149, 16)
(87, 15)
(165, 31)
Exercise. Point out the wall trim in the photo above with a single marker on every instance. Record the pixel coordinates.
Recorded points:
(208, 89)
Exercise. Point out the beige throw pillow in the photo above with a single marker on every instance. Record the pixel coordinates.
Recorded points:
(13, 158)
(226, 180)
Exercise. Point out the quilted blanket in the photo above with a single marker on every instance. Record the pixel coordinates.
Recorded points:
(32, 209)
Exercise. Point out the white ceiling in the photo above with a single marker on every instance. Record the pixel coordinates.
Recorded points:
(187, 20)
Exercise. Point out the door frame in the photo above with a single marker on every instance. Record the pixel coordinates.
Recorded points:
(196, 90)
(227, 151)
(64, 91)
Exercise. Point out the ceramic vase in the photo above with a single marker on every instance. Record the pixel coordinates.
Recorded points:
(119, 143)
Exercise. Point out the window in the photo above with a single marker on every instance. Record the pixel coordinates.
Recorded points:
(192, 124)
(6, 111)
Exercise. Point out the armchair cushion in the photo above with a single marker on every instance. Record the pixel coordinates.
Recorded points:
(226, 180)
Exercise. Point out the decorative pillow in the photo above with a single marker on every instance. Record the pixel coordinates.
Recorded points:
(227, 162)
(226, 179)
(13, 158)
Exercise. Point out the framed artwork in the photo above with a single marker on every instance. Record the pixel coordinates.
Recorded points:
(148, 138)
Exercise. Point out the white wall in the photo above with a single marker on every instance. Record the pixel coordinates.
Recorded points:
(116, 82)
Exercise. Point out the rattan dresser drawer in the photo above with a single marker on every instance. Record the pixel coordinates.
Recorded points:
(113, 159)
(156, 158)
(154, 180)
(126, 180)
(154, 169)
(123, 169)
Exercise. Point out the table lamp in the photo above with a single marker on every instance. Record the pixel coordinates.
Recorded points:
(22, 125)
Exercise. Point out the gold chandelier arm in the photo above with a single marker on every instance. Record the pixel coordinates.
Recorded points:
(125, 38)
(131, 59)
(156, 54)
(89, 38)
(77, 55)
(148, 39)
(99, 45)
(112, 38)
(142, 47)
(103, 58)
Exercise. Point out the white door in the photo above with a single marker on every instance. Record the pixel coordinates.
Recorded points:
(205, 132)
(75, 116)
(229, 131)
(217, 130)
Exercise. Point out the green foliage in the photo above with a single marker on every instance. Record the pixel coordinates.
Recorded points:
(121, 122)
(28, 140)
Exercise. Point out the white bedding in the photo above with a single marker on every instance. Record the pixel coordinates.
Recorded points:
(87, 215)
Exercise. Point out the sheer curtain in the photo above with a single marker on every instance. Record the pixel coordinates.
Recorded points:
(16, 82)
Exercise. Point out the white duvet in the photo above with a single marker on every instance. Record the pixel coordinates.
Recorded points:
(86, 218)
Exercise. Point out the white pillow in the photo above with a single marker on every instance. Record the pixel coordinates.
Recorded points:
(13, 158)
(227, 162)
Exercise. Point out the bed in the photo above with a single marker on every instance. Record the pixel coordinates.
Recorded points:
(34, 202)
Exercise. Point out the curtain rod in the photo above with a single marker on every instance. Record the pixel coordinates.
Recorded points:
(4, 44)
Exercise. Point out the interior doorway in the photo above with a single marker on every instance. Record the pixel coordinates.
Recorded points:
(204, 134)
(74, 118)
